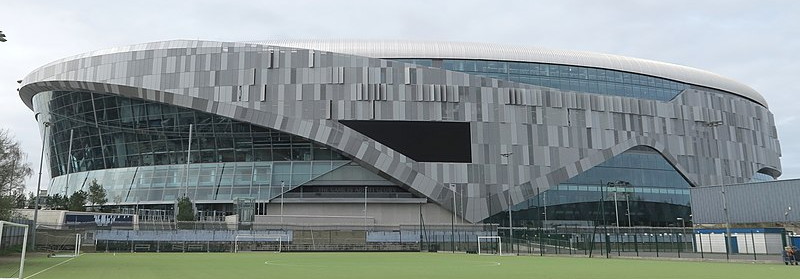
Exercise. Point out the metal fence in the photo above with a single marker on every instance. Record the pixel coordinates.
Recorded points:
(629, 242)
(581, 241)
(221, 236)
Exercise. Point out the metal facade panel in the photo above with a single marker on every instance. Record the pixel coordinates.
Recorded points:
(483, 51)
(758, 202)
(560, 148)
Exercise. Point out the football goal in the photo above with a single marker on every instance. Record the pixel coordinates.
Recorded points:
(63, 252)
(490, 245)
(255, 242)
(6, 235)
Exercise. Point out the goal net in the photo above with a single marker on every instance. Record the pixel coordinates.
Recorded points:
(10, 234)
(67, 249)
(253, 242)
(490, 245)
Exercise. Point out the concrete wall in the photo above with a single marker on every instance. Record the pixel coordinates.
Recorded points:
(353, 214)
(45, 218)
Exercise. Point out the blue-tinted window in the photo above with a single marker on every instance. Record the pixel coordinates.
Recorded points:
(572, 78)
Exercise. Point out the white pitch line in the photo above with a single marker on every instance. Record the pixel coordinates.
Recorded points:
(46, 269)
(489, 264)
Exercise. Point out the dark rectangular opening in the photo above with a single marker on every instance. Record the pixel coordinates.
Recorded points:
(422, 141)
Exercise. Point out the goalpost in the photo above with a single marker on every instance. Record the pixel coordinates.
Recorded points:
(24, 245)
(76, 251)
(490, 240)
(256, 242)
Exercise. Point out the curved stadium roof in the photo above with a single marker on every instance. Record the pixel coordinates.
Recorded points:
(483, 51)
(395, 49)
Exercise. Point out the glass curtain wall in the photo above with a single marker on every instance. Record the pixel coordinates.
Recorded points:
(116, 132)
(655, 193)
(137, 149)
(565, 77)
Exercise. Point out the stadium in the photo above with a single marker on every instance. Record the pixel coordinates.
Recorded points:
(384, 132)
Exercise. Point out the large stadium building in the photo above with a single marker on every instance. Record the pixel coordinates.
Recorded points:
(383, 132)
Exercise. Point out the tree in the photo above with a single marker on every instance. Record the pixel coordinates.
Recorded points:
(20, 201)
(13, 171)
(185, 211)
(97, 194)
(58, 201)
(31, 201)
(6, 207)
(78, 200)
(117, 200)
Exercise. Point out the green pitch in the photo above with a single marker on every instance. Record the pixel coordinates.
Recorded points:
(378, 265)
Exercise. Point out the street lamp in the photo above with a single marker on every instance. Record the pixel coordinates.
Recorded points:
(39, 185)
(510, 186)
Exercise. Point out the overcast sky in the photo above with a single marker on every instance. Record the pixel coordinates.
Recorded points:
(754, 42)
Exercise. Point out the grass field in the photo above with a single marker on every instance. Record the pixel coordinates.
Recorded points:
(377, 265)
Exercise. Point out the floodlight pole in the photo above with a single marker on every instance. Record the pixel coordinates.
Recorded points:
(510, 186)
(628, 207)
(69, 162)
(616, 206)
(461, 205)
(714, 124)
(544, 213)
(39, 187)
(616, 185)
(683, 228)
(188, 161)
(453, 219)
(727, 223)
(365, 209)
(282, 185)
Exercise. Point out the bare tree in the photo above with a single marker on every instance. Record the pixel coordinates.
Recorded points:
(13, 171)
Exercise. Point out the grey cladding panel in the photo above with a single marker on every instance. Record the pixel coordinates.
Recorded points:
(299, 93)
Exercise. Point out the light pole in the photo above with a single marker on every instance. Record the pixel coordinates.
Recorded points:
(69, 162)
(461, 205)
(282, 185)
(683, 228)
(365, 209)
(628, 207)
(786, 221)
(616, 207)
(714, 124)
(39, 187)
(510, 185)
(188, 162)
(786, 216)
(544, 204)
(616, 185)
(453, 220)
